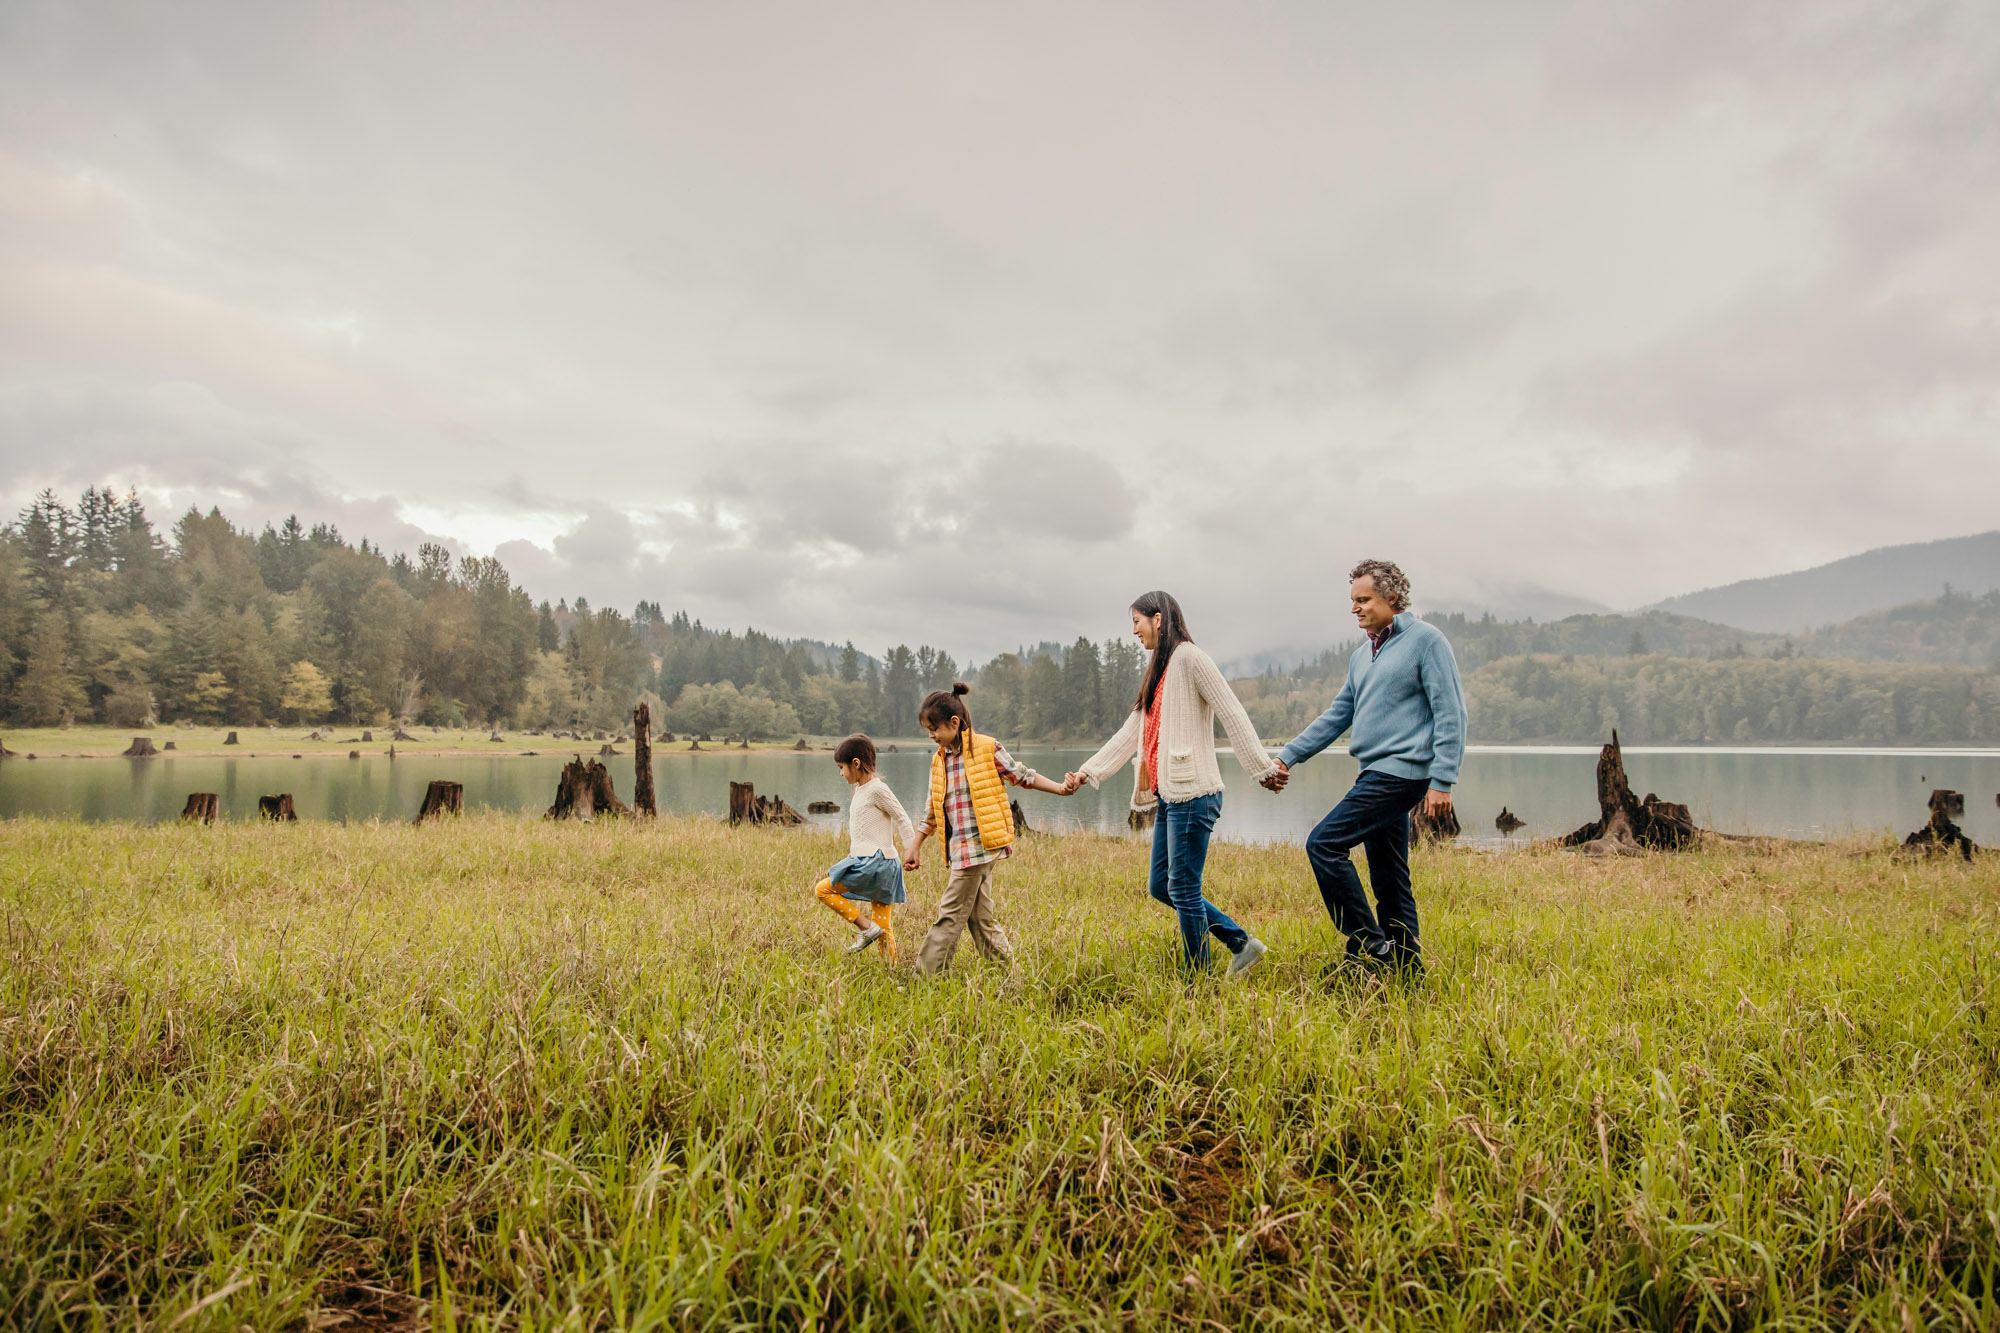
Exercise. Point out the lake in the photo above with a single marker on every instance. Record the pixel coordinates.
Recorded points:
(1800, 793)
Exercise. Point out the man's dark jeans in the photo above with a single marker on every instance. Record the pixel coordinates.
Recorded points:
(1375, 815)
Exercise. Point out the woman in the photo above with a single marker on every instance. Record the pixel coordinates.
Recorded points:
(1172, 727)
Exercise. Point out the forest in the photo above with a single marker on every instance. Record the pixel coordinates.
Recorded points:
(104, 619)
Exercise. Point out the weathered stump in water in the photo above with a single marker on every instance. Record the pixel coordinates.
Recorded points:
(1941, 837)
(202, 807)
(584, 791)
(1020, 817)
(607, 751)
(1508, 823)
(140, 748)
(1423, 828)
(277, 808)
(401, 735)
(230, 739)
(1625, 824)
(822, 808)
(367, 738)
(802, 744)
(441, 798)
(167, 745)
(643, 802)
(747, 807)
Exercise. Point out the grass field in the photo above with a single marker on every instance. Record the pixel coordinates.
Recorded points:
(501, 1073)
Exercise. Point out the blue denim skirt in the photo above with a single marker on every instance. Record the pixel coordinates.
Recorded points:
(874, 878)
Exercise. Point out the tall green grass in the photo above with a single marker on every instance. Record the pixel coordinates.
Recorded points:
(508, 1074)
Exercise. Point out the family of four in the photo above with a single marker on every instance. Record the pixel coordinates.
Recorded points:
(1401, 702)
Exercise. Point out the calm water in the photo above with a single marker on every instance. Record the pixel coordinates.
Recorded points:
(1793, 793)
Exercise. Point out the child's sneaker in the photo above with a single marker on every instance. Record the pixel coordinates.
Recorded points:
(869, 935)
(1246, 957)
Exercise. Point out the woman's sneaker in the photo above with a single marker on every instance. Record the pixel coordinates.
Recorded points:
(869, 935)
(1246, 957)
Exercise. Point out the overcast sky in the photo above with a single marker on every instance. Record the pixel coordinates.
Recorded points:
(965, 324)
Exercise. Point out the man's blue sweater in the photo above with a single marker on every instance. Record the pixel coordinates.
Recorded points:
(1406, 707)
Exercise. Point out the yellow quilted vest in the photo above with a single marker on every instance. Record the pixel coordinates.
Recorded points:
(989, 791)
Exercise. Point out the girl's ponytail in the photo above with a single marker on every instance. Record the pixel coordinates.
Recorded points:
(941, 704)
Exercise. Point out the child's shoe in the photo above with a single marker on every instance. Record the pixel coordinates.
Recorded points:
(869, 935)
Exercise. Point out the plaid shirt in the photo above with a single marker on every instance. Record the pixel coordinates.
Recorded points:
(962, 847)
(1377, 640)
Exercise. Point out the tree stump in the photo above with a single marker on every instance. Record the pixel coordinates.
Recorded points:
(747, 807)
(277, 808)
(6, 753)
(667, 738)
(367, 738)
(584, 791)
(642, 762)
(354, 754)
(140, 748)
(202, 807)
(822, 808)
(166, 745)
(694, 745)
(745, 744)
(802, 744)
(1425, 829)
(1941, 837)
(230, 739)
(496, 736)
(607, 751)
(1020, 817)
(1508, 823)
(441, 798)
(1626, 825)
(402, 735)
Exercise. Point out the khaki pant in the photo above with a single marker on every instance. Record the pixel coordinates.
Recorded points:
(967, 902)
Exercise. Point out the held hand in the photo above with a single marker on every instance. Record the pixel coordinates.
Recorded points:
(1437, 804)
(913, 862)
(1071, 783)
(1277, 781)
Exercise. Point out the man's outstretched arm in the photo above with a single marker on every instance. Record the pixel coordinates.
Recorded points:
(1324, 730)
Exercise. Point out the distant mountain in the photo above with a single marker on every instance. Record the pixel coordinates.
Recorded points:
(1828, 594)
(1954, 629)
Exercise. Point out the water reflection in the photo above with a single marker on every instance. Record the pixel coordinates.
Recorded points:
(1793, 793)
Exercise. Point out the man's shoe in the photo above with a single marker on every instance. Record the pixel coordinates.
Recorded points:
(868, 937)
(1246, 957)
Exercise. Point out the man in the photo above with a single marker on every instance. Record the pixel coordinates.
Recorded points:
(1403, 700)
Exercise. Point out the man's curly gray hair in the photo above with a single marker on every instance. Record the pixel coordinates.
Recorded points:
(1390, 582)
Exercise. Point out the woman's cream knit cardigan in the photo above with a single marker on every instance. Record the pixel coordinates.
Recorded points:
(1194, 693)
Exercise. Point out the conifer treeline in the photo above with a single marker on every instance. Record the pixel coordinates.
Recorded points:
(101, 619)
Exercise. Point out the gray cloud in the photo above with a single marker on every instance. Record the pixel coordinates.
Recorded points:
(966, 326)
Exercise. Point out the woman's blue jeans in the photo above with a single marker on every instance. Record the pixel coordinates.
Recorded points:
(1180, 852)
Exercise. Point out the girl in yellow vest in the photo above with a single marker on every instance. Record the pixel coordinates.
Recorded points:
(969, 809)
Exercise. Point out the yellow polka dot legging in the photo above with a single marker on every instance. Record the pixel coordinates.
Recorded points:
(827, 892)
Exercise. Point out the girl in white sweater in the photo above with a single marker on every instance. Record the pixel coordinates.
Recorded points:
(864, 886)
(1172, 728)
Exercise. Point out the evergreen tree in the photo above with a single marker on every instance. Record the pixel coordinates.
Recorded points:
(47, 691)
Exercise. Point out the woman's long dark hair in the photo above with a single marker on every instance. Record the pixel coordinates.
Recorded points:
(1173, 633)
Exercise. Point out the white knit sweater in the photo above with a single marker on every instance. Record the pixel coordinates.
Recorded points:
(874, 818)
(1193, 693)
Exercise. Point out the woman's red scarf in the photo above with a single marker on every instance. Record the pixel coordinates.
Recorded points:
(1150, 737)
